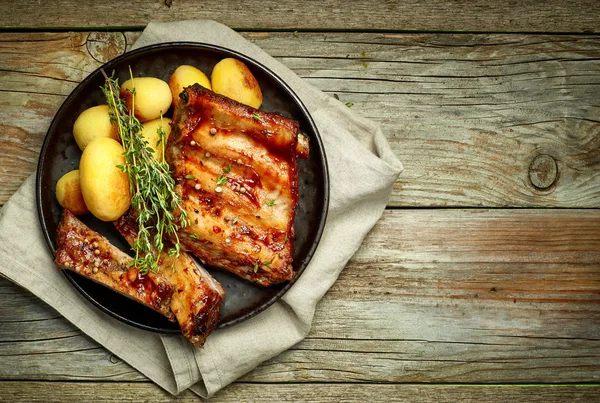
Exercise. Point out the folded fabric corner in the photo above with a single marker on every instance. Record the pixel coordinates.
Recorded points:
(362, 170)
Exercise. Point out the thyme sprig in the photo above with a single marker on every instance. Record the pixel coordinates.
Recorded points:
(150, 182)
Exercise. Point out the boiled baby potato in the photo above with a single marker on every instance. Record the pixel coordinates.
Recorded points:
(105, 187)
(232, 78)
(152, 97)
(184, 76)
(68, 193)
(93, 123)
(150, 134)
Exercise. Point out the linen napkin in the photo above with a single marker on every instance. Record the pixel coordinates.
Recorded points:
(362, 169)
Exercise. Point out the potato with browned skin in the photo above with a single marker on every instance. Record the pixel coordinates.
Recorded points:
(184, 76)
(232, 78)
(68, 193)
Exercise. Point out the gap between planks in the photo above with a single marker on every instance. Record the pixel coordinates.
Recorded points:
(431, 296)
(421, 88)
(313, 392)
(431, 15)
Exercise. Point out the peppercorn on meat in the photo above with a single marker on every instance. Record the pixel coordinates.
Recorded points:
(197, 296)
(235, 168)
(88, 253)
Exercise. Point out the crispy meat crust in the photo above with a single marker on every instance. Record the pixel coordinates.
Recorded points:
(197, 297)
(88, 253)
(235, 168)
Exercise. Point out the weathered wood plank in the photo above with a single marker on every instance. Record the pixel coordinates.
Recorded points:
(432, 296)
(248, 392)
(467, 114)
(415, 15)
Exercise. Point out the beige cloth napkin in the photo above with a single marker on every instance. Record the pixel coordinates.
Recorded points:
(362, 170)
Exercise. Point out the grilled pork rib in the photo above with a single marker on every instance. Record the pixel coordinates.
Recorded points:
(236, 171)
(90, 254)
(197, 297)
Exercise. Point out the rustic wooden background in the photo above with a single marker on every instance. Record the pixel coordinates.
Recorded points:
(482, 280)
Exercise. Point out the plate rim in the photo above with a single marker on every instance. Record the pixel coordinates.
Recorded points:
(199, 46)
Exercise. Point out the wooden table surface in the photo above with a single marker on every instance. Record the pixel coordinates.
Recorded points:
(481, 282)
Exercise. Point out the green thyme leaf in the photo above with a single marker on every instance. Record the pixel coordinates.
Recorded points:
(256, 117)
(255, 267)
(151, 185)
(266, 262)
(271, 203)
(349, 104)
(162, 137)
(190, 177)
(235, 219)
(227, 169)
(221, 180)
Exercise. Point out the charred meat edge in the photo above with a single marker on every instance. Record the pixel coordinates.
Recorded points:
(197, 297)
(84, 251)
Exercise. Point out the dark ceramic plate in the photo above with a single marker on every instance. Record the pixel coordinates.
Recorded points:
(60, 154)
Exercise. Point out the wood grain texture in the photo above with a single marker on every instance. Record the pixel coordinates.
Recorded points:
(467, 114)
(333, 393)
(443, 296)
(413, 15)
(436, 300)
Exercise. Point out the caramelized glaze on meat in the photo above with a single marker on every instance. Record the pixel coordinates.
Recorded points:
(235, 168)
(197, 297)
(88, 253)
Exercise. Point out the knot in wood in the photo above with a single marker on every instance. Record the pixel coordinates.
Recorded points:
(105, 46)
(543, 171)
